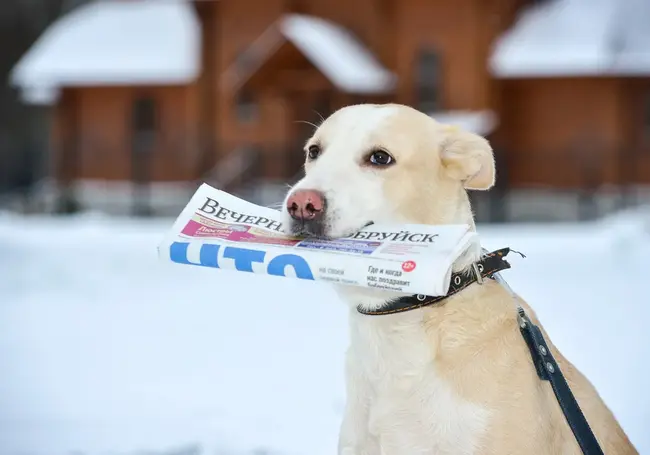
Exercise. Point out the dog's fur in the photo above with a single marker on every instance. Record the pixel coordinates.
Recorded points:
(455, 378)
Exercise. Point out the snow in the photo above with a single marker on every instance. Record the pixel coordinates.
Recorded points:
(104, 350)
(113, 43)
(348, 64)
(576, 38)
(478, 122)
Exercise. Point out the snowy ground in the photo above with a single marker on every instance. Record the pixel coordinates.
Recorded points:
(104, 350)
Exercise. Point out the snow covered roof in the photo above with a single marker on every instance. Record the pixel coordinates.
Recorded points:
(337, 54)
(575, 38)
(478, 122)
(113, 42)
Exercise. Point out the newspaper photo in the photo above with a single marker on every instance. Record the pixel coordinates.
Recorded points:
(221, 231)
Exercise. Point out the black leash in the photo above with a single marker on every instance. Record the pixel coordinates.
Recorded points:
(545, 365)
(548, 370)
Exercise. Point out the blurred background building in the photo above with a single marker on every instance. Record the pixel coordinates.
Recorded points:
(125, 105)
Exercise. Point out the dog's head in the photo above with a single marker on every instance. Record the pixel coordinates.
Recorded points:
(386, 164)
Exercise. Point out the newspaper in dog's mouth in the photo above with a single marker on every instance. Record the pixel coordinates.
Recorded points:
(221, 231)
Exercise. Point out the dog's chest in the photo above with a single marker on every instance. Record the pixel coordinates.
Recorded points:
(410, 408)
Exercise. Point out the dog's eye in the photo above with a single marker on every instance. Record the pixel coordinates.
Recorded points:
(380, 158)
(313, 152)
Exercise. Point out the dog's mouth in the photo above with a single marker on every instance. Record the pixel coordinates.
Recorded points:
(318, 229)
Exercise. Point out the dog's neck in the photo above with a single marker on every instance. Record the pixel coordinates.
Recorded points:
(374, 299)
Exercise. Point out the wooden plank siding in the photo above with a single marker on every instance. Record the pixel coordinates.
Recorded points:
(568, 132)
(99, 118)
(556, 132)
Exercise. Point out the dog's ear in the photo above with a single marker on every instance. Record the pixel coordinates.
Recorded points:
(468, 157)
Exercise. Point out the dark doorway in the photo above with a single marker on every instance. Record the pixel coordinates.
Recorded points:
(144, 132)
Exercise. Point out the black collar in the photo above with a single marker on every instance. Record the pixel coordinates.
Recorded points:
(489, 264)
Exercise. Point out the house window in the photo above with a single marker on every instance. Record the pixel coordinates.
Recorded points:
(247, 108)
(144, 123)
(428, 83)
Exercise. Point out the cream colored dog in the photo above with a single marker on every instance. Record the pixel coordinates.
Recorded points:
(455, 378)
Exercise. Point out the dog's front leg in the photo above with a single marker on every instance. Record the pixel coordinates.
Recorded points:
(354, 437)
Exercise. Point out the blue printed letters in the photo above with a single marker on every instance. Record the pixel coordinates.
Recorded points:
(243, 259)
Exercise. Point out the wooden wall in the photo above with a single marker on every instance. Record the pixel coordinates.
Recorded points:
(458, 31)
(239, 24)
(566, 132)
(99, 119)
(635, 124)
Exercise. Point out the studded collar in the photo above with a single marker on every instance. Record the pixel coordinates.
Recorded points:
(485, 268)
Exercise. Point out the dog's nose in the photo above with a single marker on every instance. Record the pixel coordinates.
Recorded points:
(306, 205)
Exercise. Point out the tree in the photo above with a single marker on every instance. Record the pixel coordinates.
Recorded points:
(23, 129)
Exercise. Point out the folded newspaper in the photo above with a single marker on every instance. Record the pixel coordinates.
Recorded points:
(221, 231)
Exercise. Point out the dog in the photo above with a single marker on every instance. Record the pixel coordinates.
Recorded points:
(455, 378)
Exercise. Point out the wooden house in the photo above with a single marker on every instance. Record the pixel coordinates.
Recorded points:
(181, 90)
